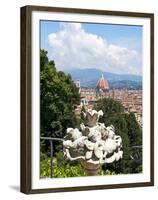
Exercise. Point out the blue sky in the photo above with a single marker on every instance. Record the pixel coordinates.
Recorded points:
(112, 48)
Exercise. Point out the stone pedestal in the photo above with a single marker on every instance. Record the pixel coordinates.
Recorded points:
(90, 168)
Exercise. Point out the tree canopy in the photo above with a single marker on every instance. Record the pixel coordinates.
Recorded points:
(58, 98)
(128, 128)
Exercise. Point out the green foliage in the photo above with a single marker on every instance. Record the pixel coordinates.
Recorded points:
(45, 168)
(135, 138)
(106, 172)
(110, 108)
(128, 128)
(134, 130)
(63, 168)
(58, 98)
(61, 171)
(43, 156)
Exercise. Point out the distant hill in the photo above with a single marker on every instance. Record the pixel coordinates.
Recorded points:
(89, 78)
(126, 84)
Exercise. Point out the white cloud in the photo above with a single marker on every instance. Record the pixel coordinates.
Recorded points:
(72, 47)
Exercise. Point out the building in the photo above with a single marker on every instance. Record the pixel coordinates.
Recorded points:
(87, 95)
(78, 84)
(130, 99)
(102, 87)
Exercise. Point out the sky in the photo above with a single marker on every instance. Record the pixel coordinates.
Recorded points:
(108, 47)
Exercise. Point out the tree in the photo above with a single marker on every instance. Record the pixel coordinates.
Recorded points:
(135, 138)
(120, 124)
(134, 130)
(110, 108)
(128, 128)
(58, 98)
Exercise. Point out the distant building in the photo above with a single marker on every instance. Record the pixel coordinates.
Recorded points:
(91, 92)
(87, 95)
(102, 87)
(130, 99)
(78, 84)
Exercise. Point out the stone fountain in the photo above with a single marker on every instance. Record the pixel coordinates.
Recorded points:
(94, 144)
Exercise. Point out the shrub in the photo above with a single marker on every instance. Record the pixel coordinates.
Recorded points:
(63, 168)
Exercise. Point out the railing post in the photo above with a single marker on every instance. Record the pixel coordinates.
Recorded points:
(51, 158)
(51, 151)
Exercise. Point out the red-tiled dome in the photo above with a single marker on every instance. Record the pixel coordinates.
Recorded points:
(102, 83)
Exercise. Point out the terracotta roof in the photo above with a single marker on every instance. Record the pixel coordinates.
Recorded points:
(102, 83)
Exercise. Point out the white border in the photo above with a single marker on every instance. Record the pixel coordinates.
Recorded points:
(38, 183)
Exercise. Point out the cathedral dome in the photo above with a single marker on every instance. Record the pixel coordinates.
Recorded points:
(103, 83)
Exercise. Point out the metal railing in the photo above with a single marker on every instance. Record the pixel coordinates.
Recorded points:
(134, 156)
(51, 151)
(137, 150)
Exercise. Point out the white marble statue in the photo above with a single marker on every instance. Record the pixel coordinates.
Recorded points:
(94, 143)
